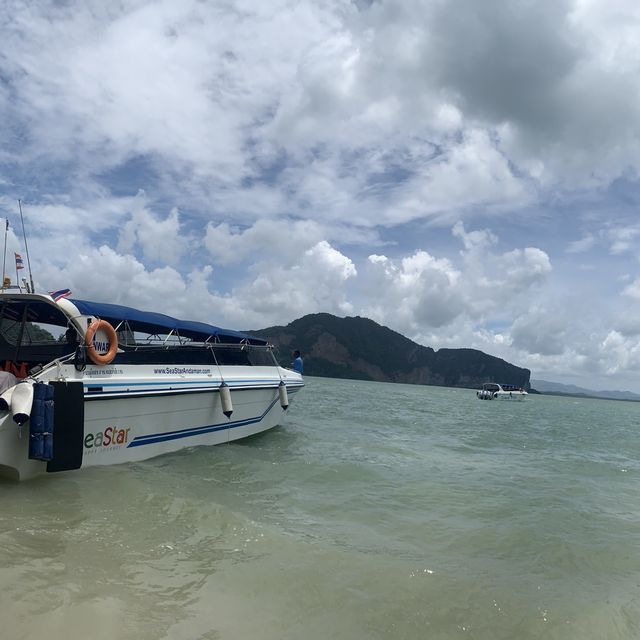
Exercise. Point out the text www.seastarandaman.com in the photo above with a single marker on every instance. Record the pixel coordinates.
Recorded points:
(180, 370)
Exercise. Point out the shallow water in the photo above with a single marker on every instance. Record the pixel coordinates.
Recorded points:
(376, 511)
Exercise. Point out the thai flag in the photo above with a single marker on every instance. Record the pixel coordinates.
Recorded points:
(19, 264)
(61, 293)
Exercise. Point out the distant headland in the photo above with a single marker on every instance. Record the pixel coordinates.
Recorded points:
(359, 348)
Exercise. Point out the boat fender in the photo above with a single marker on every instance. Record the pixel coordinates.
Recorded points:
(5, 399)
(7, 384)
(22, 401)
(41, 423)
(7, 380)
(225, 399)
(284, 397)
(101, 358)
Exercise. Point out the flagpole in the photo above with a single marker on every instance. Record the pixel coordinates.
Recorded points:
(4, 257)
(26, 246)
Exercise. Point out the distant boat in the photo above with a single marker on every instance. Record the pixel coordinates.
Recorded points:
(500, 391)
(127, 385)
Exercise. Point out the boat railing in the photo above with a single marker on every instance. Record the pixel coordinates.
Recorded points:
(185, 343)
(219, 353)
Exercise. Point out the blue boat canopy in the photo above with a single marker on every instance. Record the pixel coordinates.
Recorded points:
(152, 323)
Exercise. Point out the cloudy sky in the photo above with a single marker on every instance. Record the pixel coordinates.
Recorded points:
(463, 172)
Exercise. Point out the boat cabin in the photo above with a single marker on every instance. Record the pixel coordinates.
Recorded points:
(35, 331)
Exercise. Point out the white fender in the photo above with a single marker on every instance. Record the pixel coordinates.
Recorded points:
(7, 380)
(5, 399)
(225, 399)
(7, 384)
(284, 397)
(21, 401)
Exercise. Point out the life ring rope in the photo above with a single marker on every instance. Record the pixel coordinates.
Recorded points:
(101, 358)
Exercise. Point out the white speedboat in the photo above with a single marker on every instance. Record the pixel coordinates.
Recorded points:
(128, 385)
(495, 391)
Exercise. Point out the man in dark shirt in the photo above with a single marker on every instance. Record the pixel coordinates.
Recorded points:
(296, 365)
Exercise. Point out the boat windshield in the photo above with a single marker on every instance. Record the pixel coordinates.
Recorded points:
(32, 331)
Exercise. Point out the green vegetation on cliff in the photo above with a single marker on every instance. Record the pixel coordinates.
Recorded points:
(360, 348)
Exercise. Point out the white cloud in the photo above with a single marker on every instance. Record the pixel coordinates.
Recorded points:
(474, 240)
(620, 353)
(499, 284)
(103, 274)
(541, 331)
(292, 144)
(628, 322)
(421, 293)
(632, 290)
(159, 240)
(419, 290)
(206, 87)
(317, 282)
(282, 239)
(623, 239)
(582, 245)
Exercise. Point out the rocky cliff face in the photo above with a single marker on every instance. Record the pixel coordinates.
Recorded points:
(362, 349)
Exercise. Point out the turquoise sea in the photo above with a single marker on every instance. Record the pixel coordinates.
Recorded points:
(376, 511)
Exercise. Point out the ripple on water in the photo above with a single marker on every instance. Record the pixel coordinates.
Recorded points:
(376, 511)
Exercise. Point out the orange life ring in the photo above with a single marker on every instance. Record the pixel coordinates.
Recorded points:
(101, 358)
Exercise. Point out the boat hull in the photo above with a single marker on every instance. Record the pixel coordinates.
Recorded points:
(494, 391)
(128, 416)
(513, 396)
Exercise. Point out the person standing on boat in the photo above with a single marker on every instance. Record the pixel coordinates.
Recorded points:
(297, 365)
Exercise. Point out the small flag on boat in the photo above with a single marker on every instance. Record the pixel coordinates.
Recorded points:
(61, 293)
(19, 264)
